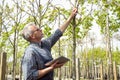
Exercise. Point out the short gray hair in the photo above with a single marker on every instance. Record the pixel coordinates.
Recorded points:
(26, 33)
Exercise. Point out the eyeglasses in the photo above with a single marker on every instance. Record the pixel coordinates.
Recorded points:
(36, 30)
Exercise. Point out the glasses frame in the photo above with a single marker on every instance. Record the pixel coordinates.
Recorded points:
(35, 30)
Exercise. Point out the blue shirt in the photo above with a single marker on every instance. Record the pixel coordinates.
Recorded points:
(36, 55)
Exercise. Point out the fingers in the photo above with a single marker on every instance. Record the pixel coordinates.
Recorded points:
(57, 65)
(75, 11)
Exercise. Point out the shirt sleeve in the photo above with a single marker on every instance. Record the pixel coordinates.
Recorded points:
(29, 66)
(54, 38)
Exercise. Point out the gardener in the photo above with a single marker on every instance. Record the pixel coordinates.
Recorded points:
(39, 51)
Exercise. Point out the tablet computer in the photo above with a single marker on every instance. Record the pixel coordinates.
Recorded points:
(60, 60)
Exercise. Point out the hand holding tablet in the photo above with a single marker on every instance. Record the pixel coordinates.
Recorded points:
(60, 60)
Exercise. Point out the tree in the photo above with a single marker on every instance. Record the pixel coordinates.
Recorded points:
(108, 25)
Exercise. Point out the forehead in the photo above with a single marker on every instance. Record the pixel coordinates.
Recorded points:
(32, 28)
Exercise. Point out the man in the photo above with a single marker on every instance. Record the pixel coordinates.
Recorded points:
(38, 53)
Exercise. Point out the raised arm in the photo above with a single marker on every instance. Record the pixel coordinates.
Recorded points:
(65, 25)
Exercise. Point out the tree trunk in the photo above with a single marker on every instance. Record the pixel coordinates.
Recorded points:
(74, 51)
(108, 49)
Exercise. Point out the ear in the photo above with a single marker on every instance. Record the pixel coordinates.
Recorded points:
(32, 37)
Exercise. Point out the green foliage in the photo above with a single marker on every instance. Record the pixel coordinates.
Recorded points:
(100, 54)
(87, 22)
(101, 20)
(106, 10)
(116, 56)
(47, 31)
(53, 15)
(114, 25)
(4, 38)
(30, 19)
(81, 2)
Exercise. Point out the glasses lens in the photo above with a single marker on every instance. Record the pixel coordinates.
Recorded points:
(37, 29)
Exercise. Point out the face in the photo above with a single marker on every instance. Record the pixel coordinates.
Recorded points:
(36, 33)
